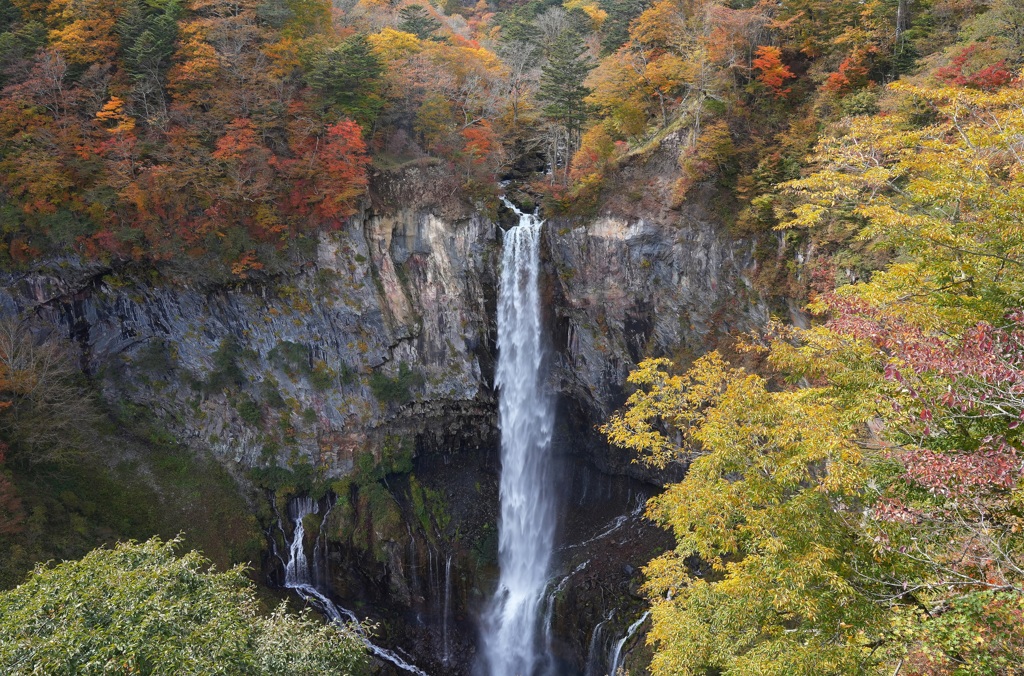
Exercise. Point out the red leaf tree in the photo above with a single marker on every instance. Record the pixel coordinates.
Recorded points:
(774, 73)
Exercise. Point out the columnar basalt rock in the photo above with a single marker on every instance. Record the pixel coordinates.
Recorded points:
(392, 293)
(403, 290)
(627, 288)
(384, 344)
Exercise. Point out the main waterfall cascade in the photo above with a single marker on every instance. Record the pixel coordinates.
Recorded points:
(511, 630)
(530, 626)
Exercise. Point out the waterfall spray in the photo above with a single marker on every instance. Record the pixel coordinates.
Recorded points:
(526, 418)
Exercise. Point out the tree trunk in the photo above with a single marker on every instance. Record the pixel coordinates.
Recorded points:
(902, 21)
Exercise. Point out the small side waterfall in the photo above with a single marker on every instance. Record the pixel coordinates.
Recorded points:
(299, 571)
(446, 656)
(306, 578)
(594, 662)
(296, 569)
(526, 419)
(616, 655)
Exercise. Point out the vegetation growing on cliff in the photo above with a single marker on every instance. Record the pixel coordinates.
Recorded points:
(853, 508)
(75, 474)
(224, 137)
(219, 136)
(398, 389)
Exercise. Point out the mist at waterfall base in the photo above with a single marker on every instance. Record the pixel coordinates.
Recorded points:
(510, 631)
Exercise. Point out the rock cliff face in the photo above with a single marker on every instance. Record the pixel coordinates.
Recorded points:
(627, 287)
(388, 332)
(385, 344)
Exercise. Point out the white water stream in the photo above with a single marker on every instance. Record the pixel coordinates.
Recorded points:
(446, 657)
(304, 576)
(614, 660)
(593, 665)
(526, 531)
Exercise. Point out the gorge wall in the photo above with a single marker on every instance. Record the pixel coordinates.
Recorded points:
(627, 287)
(402, 294)
(381, 352)
(391, 329)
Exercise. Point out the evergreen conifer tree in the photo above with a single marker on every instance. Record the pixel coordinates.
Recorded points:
(416, 20)
(563, 92)
(348, 79)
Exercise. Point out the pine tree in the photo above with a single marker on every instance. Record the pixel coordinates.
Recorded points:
(615, 31)
(518, 25)
(562, 89)
(348, 79)
(416, 20)
(9, 15)
(148, 31)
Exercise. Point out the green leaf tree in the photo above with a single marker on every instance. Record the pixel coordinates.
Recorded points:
(760, 580)
(142, 608)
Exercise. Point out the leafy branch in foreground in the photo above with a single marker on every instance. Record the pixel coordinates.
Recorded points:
(141, 608)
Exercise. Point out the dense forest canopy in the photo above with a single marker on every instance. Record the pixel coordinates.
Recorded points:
(223, 136)
(853, 504)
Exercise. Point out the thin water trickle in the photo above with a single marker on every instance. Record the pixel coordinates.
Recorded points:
(526, 531)
(594, 664)
(300, 574)
(447, 656)
(616, 656)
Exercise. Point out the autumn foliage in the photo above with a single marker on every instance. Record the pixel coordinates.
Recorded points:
(963, 71)
(856, 508)
(773, 74)
(156, 132)
(220, 137)
(852, 74)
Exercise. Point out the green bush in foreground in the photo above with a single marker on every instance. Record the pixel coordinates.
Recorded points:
(142, 609)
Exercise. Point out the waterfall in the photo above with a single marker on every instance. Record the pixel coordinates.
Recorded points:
(297, 573)
(446, 657)
(526, 417)
(550, 667)
(303, 576)
(320, 553)
(296, 570)
(414, 576)
(593, 666)
(432, 586)
(616, 655)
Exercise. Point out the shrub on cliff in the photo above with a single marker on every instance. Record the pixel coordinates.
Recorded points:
(46, 412)
(399, 389)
